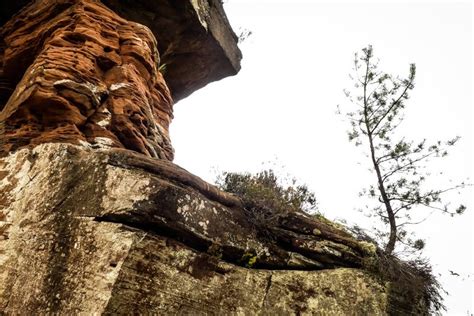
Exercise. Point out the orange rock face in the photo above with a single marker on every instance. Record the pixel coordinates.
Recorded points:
(74, 71)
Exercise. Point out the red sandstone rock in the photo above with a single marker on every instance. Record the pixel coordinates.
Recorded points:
(195, 39)
(84, 75)
(114, 232)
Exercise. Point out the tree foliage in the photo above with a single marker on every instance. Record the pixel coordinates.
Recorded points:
(378, 103)
(266, 195)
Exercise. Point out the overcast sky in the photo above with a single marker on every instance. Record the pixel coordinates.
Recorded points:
(281, 107)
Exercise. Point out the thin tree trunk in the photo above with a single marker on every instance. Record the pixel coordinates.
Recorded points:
(388, 207)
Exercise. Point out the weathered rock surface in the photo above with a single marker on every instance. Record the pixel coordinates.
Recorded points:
(91, 222)
(87, 76)
(116, 232)
(195, 39)
(74, 71)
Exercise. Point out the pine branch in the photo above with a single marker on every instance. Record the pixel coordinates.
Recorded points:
(411, 163)
(391, 108)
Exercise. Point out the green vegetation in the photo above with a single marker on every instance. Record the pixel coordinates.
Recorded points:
(413, 288)
(398, 165)
(267, 196)
(162, 68)
(249, 259)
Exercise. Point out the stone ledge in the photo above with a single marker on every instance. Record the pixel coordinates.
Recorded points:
(104, 228)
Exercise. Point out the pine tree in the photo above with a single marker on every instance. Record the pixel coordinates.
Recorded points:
(379, 100)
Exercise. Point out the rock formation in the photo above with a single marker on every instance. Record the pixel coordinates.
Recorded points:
(87, 231)
(94, 216)
(82, 74)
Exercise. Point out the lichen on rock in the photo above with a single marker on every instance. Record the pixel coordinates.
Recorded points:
(92, 204)
(115, 234)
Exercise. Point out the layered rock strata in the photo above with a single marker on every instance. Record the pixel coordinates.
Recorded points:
(84, 75)
(84, 231)
(94, 216)
(74, 71)
(196, 42)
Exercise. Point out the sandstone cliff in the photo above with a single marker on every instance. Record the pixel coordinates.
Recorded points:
(94, 216)
(114, 232)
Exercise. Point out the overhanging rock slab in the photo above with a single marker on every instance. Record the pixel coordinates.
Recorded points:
(195, 39)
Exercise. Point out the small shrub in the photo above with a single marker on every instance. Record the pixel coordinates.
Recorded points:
(267, 197)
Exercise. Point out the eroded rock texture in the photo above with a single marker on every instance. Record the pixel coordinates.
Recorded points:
(92, 223)
(196, 42)
(113, 232)
(84, 75)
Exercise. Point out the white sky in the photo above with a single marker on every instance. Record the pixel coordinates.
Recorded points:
(281, 107)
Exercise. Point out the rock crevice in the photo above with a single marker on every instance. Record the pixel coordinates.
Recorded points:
(92, 203)
(134, 237)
